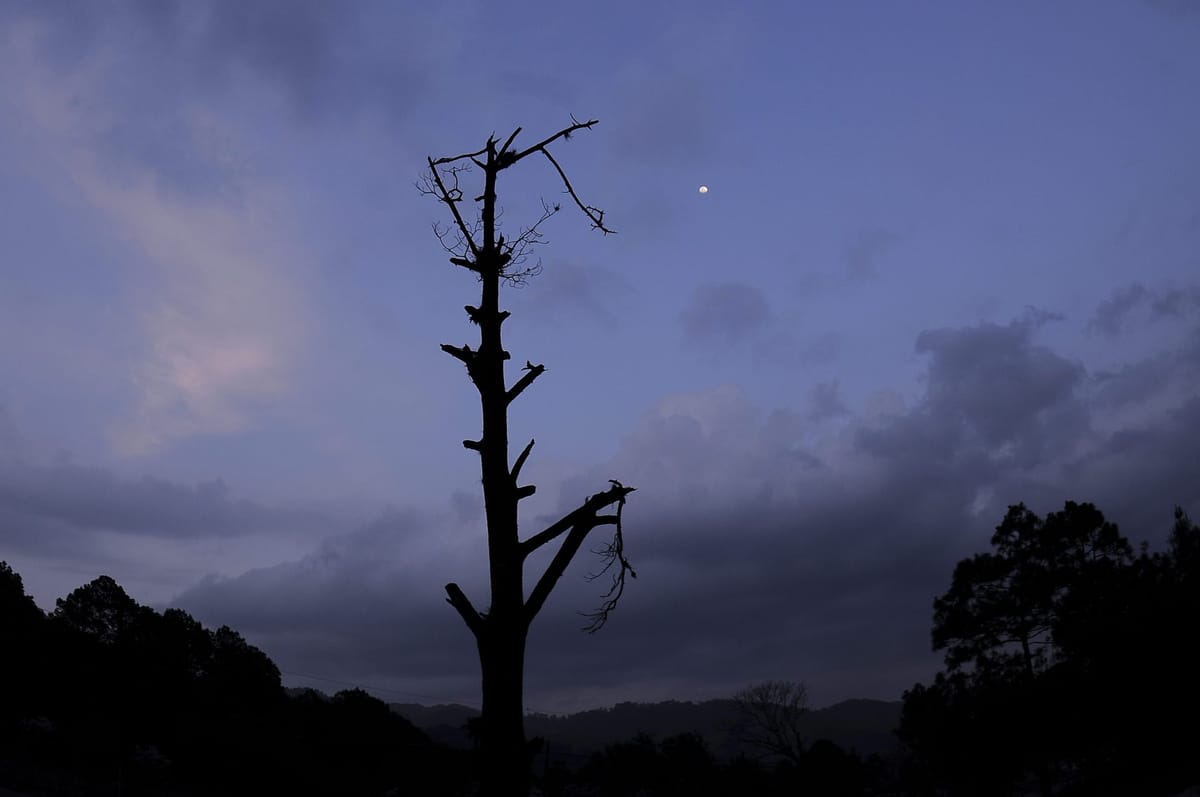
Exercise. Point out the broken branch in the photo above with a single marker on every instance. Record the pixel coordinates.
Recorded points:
(614, 553)
(524, 455)
(587, 510)
(459, 601)
(461, 353)
(533, 372)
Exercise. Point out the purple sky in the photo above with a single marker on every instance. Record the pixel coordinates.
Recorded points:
(949, 261)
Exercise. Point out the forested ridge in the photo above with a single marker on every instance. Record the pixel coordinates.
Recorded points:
(1069, 670)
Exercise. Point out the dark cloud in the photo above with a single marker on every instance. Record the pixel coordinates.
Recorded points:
(12, 443)
(361, 605)
(1135, 383)
(825, 401)
(1176, 302)
(768, 544)
(992, 383)
(1138, 473)
(1115, 313)
(290, 42)
(78, 499)
(324, 61)
(1174, 372)
(728, 312)
(1111, 314)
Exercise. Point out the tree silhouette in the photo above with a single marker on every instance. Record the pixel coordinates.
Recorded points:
(964, 732)
(1006, 604)
(21, 626)
(476, 244)
(110, 697)
(1070, 664)
(1004, 612)
(771, 715)
(102, 610)
(17, 610)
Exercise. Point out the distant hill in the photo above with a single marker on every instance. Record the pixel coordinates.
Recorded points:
(864, 725)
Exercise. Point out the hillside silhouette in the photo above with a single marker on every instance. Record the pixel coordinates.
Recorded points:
(105, 696)
(866, 726)
(1070, 669)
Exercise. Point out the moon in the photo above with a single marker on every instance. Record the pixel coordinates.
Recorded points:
(704, 189)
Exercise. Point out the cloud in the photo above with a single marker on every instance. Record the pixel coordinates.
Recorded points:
(726, 312)
(1177, 302)
(994, 384)
(291, 43)
(757, 562)
(1111, 314)
(1134, 398)
(324, 61)
(13, 447)
(65, 524)
(1114, 314)
(368, 605)
(1137, 473)
(467, 508)
(213, 275)
(769, 543)
(825, 402)
(566, 291)
(83, 498)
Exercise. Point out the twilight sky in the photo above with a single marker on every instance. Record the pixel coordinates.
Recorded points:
(949, 261)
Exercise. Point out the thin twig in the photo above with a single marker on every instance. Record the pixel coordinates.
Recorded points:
(595, 214)
(453, 201)
(614, 553)
(564, 133)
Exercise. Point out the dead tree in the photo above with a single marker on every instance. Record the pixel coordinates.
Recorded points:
(771, 715)
(475, 244)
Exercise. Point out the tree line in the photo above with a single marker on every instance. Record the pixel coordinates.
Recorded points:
(106, 696)
(1069, 669)
(1070, 665)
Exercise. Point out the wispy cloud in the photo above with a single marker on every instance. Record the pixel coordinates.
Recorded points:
(214, 277)
(1124, 307)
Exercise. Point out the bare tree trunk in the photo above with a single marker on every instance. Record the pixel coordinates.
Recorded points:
(505, 758)
(500, 632)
